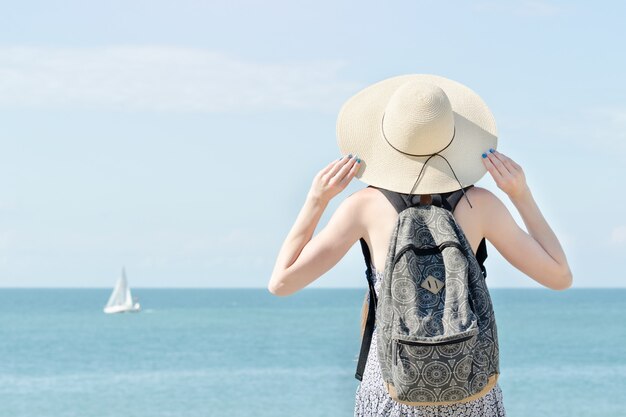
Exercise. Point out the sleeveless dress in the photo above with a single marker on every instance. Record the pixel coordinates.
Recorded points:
(373, 400)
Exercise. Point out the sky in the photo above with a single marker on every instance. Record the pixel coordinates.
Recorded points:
(179, 139)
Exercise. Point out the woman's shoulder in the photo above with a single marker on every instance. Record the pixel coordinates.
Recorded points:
(482, 193)
(364, 197)
(483, 196)
(370, 201)
(485, 200)
(484, 204)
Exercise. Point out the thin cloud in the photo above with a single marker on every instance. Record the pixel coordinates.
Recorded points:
(618, 235)
(614, 115)
(161, 78)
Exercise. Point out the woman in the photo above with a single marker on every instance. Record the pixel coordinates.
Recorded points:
(417, 135)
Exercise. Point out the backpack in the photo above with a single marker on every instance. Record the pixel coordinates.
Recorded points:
(436, 330)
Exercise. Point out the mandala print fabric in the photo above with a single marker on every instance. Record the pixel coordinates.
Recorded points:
(372, 399)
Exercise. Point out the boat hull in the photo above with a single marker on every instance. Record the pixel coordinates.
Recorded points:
(123, 309)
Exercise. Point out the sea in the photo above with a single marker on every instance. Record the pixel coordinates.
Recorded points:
(245, 352)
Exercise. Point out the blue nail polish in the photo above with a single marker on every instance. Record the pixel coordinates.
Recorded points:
(491, 150)
(484, 155)
(349, 156)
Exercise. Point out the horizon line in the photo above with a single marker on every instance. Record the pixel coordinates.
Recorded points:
(306, 288)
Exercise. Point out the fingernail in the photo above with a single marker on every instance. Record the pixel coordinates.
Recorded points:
(349, 156)
(491, 150)
(484, 155)
(358, 160)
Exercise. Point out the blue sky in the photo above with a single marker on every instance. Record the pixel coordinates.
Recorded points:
(180, 138)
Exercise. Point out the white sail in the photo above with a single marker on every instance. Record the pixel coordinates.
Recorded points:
(129, 299)
(121, 298)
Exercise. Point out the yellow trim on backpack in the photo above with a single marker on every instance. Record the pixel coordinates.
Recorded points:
(491, 382)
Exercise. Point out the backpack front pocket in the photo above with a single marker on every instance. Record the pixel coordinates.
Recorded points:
(427, 369)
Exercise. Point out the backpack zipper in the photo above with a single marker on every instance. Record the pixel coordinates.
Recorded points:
(413, 343)
(445, 342)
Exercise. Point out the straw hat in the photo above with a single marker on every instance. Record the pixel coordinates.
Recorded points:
(417, 134)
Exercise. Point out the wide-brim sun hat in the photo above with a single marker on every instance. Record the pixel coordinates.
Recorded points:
(417, 134)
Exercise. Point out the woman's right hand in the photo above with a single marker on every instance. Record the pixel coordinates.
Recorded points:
(332, 179)
(508, 175)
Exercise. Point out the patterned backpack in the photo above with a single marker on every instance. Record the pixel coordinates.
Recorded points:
(436, 329)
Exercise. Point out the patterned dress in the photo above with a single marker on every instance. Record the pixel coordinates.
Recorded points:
(373, 400)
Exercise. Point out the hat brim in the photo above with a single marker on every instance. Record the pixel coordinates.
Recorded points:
(359, 132)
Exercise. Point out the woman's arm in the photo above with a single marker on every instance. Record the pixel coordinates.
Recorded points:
(537, 253)
(301, 260)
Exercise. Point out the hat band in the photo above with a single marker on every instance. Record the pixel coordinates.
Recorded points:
(430, 155)
(382, 128)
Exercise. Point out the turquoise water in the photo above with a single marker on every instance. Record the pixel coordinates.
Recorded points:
(244, 352)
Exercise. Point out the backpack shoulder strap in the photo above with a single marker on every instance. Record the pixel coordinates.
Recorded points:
(371, 314)
(456, 196)
(394, 198)
(481, 253)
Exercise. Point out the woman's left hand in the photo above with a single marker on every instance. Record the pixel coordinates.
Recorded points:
(331, 180)
(507, 173)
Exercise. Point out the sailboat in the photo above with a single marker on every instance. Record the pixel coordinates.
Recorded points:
(121, 301)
